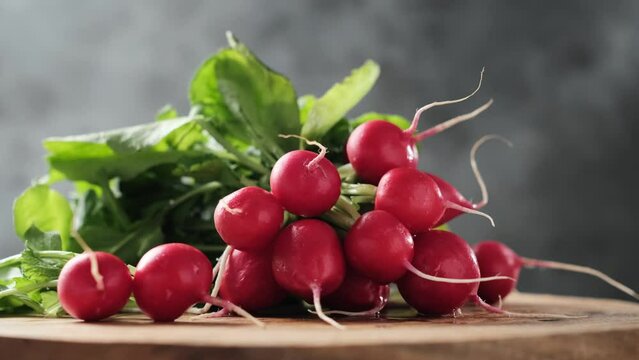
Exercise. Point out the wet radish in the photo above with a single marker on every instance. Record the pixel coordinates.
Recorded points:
(172, 277)
(248, 219)
(308, 262)
(414, 198)
(496, 258)
(378, 146)
(305, 183)
(248, 280)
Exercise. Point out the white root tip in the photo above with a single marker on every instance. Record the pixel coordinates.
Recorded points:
(452, 205)
(498, 310)
(381, 303)
(414, 124)
(452, 122)
(320, 312)
(225, 304)
(318, 158)
(218, 270)
(475, 168)
(93, 259)
(581, 269)
(410, 267)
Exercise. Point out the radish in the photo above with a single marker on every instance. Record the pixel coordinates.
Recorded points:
(440, 253)
(378, 146)
(94, 285)
(249, 282)
(305, 183)
(357, 296)
(308, 262)
(496, 258)
(171, 277)
(414, 198)
(450, 193)
(379, 247)
(248, 219)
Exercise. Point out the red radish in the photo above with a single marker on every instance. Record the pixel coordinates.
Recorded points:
(80, 292)
(357, 296)
(496, 258)
(171, 277)
(308, 262)
(379, 247)
(248, 280)
(414, 198)
(305, 183)
(445, 254)
(378, 146)
(248, 219)
(450, 193)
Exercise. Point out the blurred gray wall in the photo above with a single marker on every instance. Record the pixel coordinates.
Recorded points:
(564, 75)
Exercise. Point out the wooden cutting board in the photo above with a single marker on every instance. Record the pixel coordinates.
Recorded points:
(609, 329)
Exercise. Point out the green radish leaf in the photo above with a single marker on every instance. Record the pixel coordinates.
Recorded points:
(264, 100)
(44, 208)
(339, 99)
(122, 153)
(305, 103)
(166, 112)
(398, 120)
(38, 240)
(40, 269)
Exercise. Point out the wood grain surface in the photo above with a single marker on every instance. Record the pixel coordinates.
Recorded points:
(601, 329)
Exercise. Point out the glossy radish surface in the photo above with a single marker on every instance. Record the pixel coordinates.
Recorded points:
(358, 293)
(412, 197)
(378, 246)
(378, 146)
(444, 254)
(79, 293)
(305, 183)
(248, 280)
(308, 261)
(172, 277)
(248, 219)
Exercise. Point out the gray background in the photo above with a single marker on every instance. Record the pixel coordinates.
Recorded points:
(565, 78)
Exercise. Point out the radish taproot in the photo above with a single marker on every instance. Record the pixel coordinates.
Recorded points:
(450, 193)
(379, 247)
(378, 146)
(308, 262)
(305, 183)
(87, 297)
(248, 219)
(495, 258)
(357, 296)
(171, 277)
(414, 198)
(443, 254)
(248, 280)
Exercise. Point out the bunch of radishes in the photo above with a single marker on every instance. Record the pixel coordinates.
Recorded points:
(285, 241)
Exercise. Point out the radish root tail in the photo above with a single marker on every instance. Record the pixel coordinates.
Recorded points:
(580, 269)
(225, 304)
(218, 270)
(498, 310)
(414, 124)
(95, 269)
(425, 276)
(320, 312)
(313, 163)
(452, 122)
(452, 205)
(475, 168)
(379, 306)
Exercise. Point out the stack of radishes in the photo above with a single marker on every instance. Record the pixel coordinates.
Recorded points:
(308, 238)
